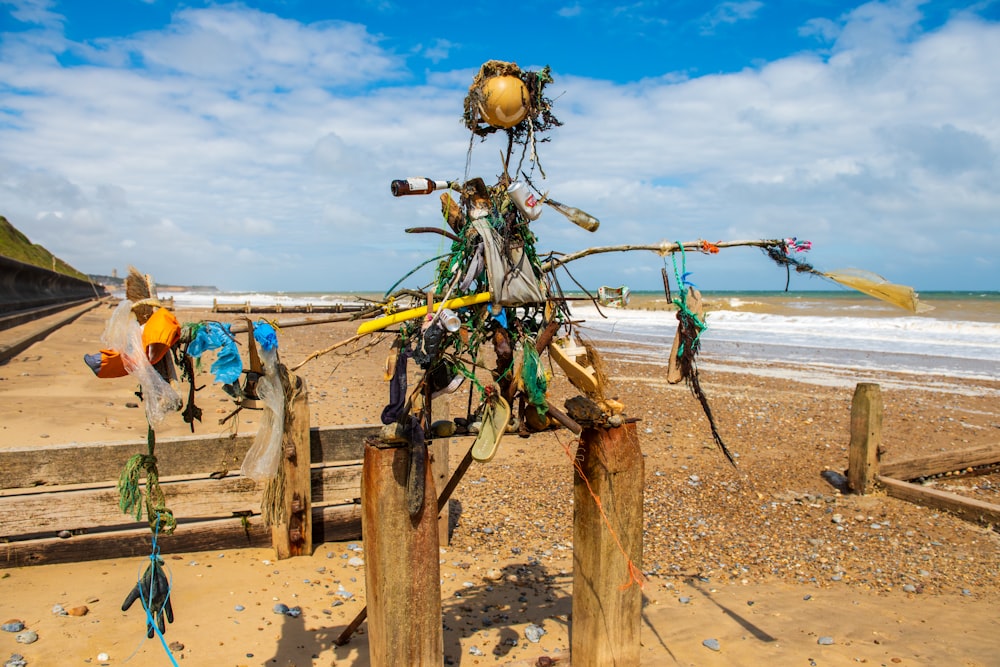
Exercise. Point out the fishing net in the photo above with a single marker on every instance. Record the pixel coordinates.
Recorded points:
(539, 118)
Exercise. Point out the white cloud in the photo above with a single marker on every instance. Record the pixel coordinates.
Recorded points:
(729, 13)
(570, 11)
(255, 152)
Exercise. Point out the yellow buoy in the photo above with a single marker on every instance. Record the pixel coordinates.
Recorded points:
(504, 101)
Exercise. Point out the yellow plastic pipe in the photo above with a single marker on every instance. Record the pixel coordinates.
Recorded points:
(387, 321)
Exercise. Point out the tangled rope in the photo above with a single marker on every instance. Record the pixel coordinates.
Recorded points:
(130, 492)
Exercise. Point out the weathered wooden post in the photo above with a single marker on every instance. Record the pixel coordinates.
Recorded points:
(292, 535)
(866, 438)
(607, 603)
(402, 572)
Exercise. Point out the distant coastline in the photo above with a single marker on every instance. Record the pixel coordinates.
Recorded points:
(115, 282)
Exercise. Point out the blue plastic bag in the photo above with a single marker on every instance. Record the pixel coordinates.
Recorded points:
(265, 335)
(216, 336)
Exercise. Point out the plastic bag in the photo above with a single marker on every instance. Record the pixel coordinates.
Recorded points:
(265, 335)
(261, 461)
(511, 276)
(124, 334)
(215, 336)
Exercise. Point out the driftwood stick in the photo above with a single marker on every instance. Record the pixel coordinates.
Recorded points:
(661, 248)
(431, 230)
(320, 353)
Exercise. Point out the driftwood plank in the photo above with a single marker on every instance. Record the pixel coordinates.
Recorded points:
(969, 509)
(28, 513)
(942, 462)
(84, 463)
(330, 524)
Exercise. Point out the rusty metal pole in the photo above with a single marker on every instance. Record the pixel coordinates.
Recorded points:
(402, 572)
(607, 602)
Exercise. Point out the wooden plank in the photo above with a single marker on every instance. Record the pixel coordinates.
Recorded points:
(438, 450)
(969, 509)
(82, 463)
(48, 510)
(333, 523)
(942, 462)
(438, 453)
(340, 443)
(866, 437)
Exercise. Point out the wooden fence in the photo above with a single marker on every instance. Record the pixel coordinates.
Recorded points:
(60, 504)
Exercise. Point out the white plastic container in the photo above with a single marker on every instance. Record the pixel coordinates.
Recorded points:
(525, 200)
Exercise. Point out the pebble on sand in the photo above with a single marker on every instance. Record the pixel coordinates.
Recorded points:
(711, 644)
(533, 633)
(27, 637)
(825, 641)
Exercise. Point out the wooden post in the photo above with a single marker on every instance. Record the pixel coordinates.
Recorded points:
(607, 603)
(293, 535)
(866, 438)
(402, 572)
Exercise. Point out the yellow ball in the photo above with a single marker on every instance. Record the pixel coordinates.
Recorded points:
(504, 101)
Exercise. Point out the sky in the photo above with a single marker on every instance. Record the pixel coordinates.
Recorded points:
(250, 146)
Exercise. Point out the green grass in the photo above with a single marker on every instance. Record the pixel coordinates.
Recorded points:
(15, 245)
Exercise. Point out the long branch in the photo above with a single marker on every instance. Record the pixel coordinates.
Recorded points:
(320, 353)
(662, 248)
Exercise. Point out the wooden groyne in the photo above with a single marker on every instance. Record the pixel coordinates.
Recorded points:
(248, 307)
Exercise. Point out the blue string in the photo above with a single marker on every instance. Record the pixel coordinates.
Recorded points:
(154, 555)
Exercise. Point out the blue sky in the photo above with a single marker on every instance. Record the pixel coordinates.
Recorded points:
(251, 145)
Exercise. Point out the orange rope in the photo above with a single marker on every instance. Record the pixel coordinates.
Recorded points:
(635, 574)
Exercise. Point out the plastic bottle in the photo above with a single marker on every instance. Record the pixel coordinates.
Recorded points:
(525, 201)
(576, 216)
(416, 186)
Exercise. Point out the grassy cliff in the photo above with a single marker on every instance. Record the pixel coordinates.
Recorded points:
(17, 246)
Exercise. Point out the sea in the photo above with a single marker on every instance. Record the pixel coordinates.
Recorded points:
(826, 337)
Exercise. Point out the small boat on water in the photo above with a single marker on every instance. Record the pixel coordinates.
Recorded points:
(616, 297)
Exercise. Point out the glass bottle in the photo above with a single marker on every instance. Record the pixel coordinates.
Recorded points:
(576, 216)
(416, 186)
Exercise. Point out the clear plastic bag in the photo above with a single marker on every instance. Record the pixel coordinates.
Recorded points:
(261, 461)
(124, 334)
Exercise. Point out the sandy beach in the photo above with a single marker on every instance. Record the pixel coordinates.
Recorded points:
(770, 560)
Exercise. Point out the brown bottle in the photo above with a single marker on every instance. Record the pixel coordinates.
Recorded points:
(416, 186)
(576, 216)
